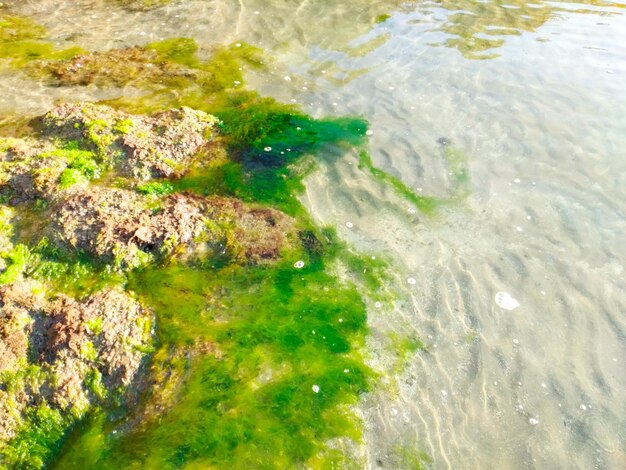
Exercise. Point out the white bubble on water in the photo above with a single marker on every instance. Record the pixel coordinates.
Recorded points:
(378, 304)
(506, 301)
(519, 229)
(298, 264)
(411, 280)
(316, 388)
(287, 78)
(369, 132)
(533, 421)
(349, 224)
(268, 149)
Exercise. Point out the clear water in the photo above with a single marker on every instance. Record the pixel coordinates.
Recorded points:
(531, 99)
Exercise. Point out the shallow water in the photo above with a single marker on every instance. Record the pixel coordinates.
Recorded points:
(530, 98)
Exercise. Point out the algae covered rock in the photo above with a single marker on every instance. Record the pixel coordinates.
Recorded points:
(118, 226)
(258, 233)
(117, 67)
(143, 147)
(28, 169)
(63, 353)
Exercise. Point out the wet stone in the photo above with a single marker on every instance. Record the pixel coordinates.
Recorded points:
(65, 353)
(143, 147)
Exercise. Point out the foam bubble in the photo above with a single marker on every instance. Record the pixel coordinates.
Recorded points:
(316, 388)
(298, 264)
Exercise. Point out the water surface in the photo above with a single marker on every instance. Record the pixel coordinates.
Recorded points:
(529, 98)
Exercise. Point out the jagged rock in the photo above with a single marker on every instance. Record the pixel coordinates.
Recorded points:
(19, 308)
(258, 233)
(116, 226)
(162, 145)
(29, 169)
(80, 350)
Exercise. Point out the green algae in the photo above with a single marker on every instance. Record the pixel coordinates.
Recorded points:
(260, 363)
(82, 165)
(23, 41)
(426, 204)
(17, 259)
(281, 332)
(142, 5)
(38, 438)
(156, 188)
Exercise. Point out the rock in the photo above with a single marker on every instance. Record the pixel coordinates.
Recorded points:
(117, 67)
(19, 309)
(64, 352)
(259, 233)
(116, 226)
(29, 169)
(143, 147)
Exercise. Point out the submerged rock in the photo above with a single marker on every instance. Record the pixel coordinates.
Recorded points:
(117, 67)
(65, 353)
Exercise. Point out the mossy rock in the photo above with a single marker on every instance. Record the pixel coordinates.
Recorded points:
(63, 354)
(118, 226)
(143, 147)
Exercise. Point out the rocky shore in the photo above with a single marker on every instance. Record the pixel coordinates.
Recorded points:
(97, 183)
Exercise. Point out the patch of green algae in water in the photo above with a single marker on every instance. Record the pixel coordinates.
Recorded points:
(255, 366)
(279, 333)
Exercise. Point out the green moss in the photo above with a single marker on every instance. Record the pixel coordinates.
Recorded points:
(93, 382)
(38, 438)
(64, 271)
(88, 351)
(95, 325)
(22, 41)
(18, 258)
(458, 165)
(82, 165)
(403, 346)
(156, 188)
(382, 18)
(123, 126)
(280, 332)
(409, 458)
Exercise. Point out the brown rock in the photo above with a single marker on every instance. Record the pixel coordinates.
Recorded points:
(142, 147)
